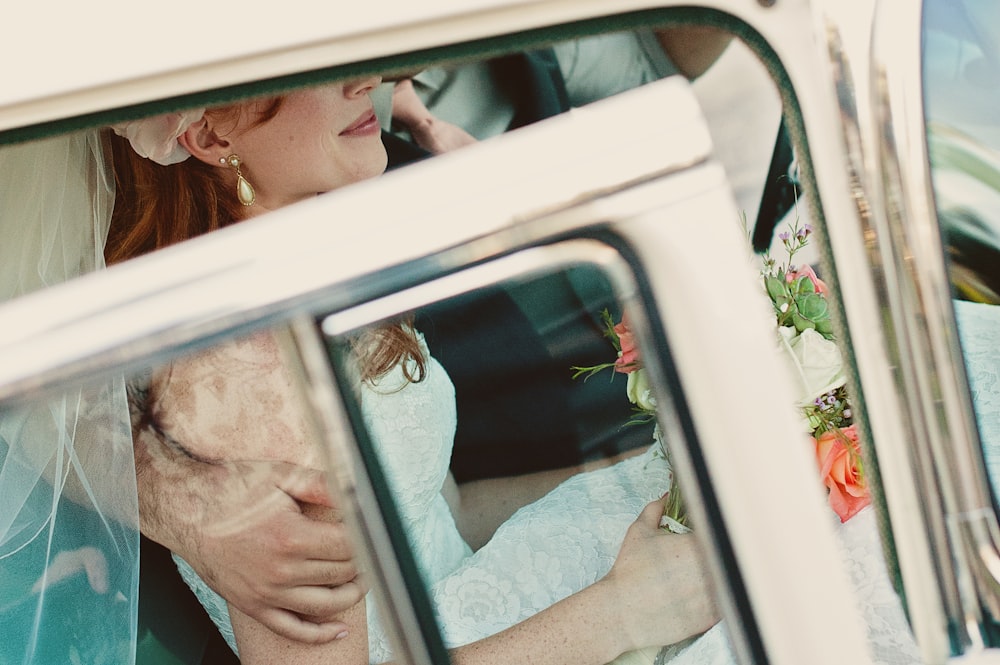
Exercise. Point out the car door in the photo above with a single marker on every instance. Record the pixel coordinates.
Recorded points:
(640, 213)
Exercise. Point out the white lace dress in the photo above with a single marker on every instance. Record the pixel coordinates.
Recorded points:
(548, 549)
(545, 552)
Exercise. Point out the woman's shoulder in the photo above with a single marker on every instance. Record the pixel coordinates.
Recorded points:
(417, 374)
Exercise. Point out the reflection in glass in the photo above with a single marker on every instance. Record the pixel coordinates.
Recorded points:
(473, 452)
(961, 69)
(962, 95)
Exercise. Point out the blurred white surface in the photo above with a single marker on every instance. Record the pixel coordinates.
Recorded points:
(742, 107)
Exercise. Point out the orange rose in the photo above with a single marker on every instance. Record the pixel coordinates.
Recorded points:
(839, 458)
(628, 359)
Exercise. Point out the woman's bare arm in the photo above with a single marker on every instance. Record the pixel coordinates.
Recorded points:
(657, 593)
(260, 646)
(481, 506)
(693, 49)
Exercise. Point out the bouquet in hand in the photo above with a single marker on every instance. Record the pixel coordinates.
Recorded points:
(805, 337)
(639, 392)
(805, 340)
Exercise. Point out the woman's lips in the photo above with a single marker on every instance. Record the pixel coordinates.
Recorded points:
(366, 124)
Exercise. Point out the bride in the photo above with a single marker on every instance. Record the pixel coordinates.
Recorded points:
(543, 592)
(572, 578)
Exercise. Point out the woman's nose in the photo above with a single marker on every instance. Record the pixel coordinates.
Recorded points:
(361, 86)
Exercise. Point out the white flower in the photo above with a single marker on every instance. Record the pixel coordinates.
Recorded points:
(815, 363)
(156, 138)
(639, 391)
(673, 525)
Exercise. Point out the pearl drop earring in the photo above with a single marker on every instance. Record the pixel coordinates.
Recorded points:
(244, 190)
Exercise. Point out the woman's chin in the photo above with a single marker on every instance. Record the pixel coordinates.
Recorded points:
(381, 160)
(373, 167)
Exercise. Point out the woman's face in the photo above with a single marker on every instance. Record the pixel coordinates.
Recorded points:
(320, 139)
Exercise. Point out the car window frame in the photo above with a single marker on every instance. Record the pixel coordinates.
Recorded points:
(833, 135)
(909, 249)
(194, 328)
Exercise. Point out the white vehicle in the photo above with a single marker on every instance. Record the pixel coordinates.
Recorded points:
(619, 204)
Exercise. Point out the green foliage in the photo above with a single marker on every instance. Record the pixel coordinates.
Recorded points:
(796, 300)
(612, 335)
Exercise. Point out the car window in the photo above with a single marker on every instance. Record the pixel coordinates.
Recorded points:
(960, 73)
(514, 471)
(518, 408)
(568, 334)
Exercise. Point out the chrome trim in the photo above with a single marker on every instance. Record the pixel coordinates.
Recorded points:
(524, 263)
(308, 364)
(935, 386)
(920, 535)
(350, 482)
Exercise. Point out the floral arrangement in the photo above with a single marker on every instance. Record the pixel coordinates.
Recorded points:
(805, 341)
(639, 392)
(805, 336)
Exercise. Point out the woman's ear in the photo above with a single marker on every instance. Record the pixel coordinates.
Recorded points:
(203, 143)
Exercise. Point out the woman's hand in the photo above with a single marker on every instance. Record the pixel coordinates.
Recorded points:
(658, 589)
(656, 594)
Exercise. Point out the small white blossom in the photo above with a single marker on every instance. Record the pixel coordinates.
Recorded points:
(639, 391)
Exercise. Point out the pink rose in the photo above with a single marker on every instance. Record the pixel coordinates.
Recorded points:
(839, 458)
(807, 271)
(628, 359)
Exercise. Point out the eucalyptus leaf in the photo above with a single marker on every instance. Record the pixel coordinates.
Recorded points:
(825, 327)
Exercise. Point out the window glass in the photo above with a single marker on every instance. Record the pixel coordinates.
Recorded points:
(515, 471)
(510, 458)
(961, 74)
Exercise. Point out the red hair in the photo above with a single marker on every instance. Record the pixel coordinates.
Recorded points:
(157, 206)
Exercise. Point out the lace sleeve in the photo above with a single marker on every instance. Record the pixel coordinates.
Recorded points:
(889, 635)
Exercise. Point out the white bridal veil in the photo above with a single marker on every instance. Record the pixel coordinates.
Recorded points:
(69, 539)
